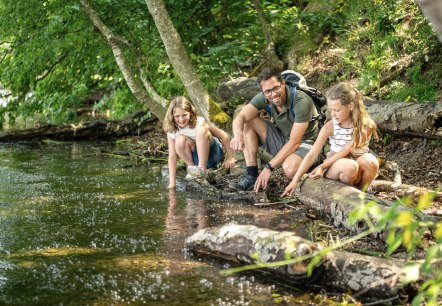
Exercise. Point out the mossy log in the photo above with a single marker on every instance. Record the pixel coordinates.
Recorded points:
(367, 278)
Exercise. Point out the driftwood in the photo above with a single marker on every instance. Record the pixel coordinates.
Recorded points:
(330, 197)
(100, 129)
(367, 278)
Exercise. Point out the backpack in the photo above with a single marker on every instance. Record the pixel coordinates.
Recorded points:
(297, 82)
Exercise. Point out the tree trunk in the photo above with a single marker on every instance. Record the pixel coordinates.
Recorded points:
(157, 107)
(433, 10)
(182, 64)
(367, 278)
(408, 119)
(269, 52)
(101, 129)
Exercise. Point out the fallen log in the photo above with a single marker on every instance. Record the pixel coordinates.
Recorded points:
(367, 278)
(338, 200)
(100, 129)
(394, 117)
(330, 197)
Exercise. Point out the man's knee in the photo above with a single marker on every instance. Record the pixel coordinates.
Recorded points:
(256, 126)
(291, 165)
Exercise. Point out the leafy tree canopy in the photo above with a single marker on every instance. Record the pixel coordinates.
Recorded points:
(52, 58)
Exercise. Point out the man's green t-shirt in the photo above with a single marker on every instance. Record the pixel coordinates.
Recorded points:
(304, 110)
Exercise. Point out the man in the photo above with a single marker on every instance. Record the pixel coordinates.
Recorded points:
(287, 138)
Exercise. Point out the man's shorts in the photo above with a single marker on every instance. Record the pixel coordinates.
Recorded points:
(216, 154)
(275, 140)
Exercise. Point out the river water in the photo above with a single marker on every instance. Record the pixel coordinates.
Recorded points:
(81, 228)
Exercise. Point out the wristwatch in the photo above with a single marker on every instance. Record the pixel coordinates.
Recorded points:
(268, 166)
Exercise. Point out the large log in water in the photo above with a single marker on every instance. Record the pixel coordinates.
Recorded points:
(100, 129)
(367, 278)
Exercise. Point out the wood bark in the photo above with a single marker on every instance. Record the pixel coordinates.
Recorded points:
(409, 119)
(100, 129)
(179, 58)
(338, 200)
(433, 10)
(367, 278)
(158, 106)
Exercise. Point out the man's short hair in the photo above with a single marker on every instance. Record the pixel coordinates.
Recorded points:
(268, 73)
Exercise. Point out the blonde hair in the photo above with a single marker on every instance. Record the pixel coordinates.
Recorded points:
(169, 124)
(363, 126)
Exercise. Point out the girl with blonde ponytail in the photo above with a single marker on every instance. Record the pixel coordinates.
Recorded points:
(349, 133)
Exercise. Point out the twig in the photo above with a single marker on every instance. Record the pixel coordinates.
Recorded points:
(289, 206)
(393, 167)
(276, 203)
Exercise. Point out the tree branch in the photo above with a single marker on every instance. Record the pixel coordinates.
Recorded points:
(114, 41)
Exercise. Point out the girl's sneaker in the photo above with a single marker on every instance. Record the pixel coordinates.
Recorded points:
(194, 172)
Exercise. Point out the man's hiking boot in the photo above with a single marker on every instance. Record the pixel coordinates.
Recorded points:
(245, 182)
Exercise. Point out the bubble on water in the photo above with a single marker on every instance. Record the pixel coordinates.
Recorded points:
(204, 282)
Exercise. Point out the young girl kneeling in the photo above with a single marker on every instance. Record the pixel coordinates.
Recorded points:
(192, 139)
(349, 133)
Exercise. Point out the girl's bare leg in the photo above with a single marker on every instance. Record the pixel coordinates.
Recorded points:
(183, 147)
(368, 168)
(346, 170)
(203, 141)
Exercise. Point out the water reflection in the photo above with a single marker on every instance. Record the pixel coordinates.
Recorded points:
(77, 228)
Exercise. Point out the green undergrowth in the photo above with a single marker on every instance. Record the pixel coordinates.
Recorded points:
(387, 48)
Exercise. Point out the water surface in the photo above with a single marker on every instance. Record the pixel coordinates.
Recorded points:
(81, 228)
